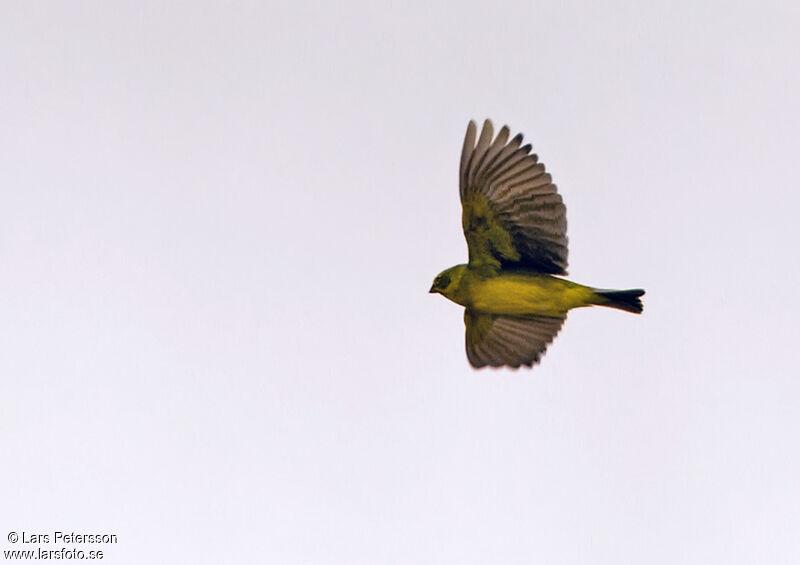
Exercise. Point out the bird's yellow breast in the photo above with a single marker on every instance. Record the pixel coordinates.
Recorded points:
(519, 294)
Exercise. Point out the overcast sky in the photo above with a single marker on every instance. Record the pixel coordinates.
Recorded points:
(219, 223)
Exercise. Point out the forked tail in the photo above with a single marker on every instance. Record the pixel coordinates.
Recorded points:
(627, 300)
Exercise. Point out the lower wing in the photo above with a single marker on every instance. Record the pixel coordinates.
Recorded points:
(497, 340)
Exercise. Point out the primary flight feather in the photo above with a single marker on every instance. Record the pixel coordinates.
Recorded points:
(515, 225)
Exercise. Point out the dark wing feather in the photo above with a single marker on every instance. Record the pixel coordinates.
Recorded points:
(512, 214)
(497, 340)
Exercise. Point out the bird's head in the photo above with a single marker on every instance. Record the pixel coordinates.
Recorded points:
(446, 283)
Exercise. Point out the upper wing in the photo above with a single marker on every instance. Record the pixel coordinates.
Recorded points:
(512, 214)
(508, 340)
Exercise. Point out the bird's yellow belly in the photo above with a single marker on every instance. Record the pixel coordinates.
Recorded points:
(515, 294)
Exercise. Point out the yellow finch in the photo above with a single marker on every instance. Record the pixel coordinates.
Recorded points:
(516, 229)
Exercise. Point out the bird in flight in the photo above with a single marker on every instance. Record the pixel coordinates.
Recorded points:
(515, 224)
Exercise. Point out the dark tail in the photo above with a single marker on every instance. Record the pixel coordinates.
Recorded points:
(627, 300)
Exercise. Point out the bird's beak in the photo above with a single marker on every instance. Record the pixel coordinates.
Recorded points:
(432, 290)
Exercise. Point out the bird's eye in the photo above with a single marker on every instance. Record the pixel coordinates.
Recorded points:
(443, 282)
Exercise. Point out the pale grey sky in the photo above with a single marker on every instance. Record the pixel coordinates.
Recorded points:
(219, 223)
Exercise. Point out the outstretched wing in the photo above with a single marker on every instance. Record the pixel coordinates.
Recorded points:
(512, 215)
(498, 340)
